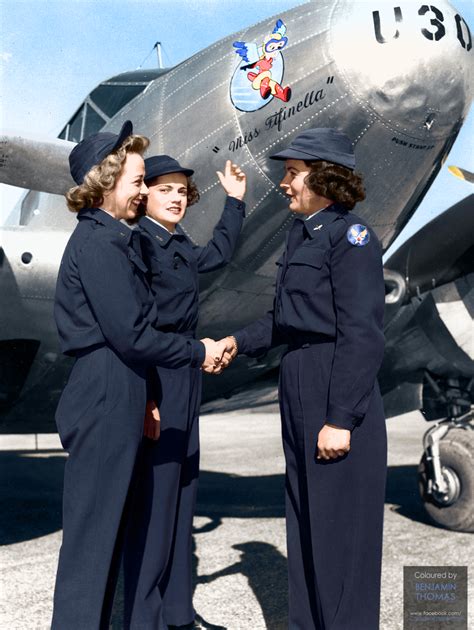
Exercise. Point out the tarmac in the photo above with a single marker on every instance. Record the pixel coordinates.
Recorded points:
(239, 538)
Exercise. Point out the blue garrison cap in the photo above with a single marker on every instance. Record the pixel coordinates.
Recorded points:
(320, 144)
(93, 149)
(162, 165)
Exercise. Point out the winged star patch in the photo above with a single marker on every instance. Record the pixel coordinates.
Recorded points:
(358, 235)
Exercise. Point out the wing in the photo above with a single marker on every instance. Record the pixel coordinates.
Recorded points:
(363, 234)
(248, 51)
(280, 28)
(354, 232)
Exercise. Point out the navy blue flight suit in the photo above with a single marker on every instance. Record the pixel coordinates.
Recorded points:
(328, 308)
(104, 312)
(159, 585)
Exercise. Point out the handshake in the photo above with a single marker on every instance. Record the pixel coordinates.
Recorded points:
(219, 354)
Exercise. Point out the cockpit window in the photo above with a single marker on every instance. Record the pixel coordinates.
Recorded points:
(110, 98)
(94, 122)
(75, 126)
(106, 100)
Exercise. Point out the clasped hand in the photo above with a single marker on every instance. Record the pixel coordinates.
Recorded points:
(219, 354)
(333, 442)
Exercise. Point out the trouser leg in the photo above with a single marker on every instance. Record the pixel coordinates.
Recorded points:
(345, 498)
(96, 481)
(159, 535)
(177, 585)
(150, 533)
(302, 601)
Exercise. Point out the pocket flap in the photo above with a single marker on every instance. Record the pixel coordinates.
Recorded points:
(137, 261)
(309, 256)
(280, 260)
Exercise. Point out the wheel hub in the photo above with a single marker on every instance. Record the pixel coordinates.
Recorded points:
(453, 486)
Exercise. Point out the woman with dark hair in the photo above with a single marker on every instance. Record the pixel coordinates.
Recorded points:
(328, 309)
(105, 316)
(158, 559)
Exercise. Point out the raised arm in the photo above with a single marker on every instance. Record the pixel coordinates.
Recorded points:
(219, 250)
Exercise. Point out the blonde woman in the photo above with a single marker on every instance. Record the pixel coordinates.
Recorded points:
(104, 314)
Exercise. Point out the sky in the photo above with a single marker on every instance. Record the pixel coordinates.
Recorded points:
(52, 54)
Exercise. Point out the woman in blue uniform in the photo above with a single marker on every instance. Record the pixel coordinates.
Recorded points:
(328, 308)
(166, 494)
(104, 314)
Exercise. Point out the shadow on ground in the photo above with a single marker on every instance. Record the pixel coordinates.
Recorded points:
(30, 495)
(263, 566)
(30, 507)
(402, 492)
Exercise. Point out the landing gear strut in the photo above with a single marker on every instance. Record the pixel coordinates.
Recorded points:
(446, 473)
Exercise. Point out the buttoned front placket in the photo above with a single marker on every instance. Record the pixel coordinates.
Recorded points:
(294, 239)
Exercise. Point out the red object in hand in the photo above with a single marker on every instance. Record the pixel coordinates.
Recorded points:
(151, 428)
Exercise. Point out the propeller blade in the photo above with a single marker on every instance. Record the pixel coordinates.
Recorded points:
(36, 164)
(457, 171)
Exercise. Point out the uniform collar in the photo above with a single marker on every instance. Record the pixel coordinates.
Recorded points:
(104, 218)
(158, 223)
(157, 231)
(321, 219)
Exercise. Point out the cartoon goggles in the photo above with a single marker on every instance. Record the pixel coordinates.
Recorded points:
(275, 44)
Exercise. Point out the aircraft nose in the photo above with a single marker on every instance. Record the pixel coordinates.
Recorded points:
(409, 63)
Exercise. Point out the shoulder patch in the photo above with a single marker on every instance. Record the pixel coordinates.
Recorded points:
(358, 235)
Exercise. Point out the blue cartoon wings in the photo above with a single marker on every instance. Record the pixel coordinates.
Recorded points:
(248, 51)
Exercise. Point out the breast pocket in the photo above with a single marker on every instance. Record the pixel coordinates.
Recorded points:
(305, 270)
(174, 275)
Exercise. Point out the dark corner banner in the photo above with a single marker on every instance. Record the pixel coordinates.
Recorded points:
(434, 598)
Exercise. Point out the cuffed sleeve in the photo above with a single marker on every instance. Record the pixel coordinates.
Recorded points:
(199, 353)
(359, 296)
(219, 250)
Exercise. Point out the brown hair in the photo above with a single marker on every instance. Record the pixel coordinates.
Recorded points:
(102, 177)
(335, 182)
(193, 197)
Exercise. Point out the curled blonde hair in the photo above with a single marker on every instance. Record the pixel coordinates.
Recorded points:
(102, 177)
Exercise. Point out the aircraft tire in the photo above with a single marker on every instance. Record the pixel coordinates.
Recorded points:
(456, 454)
